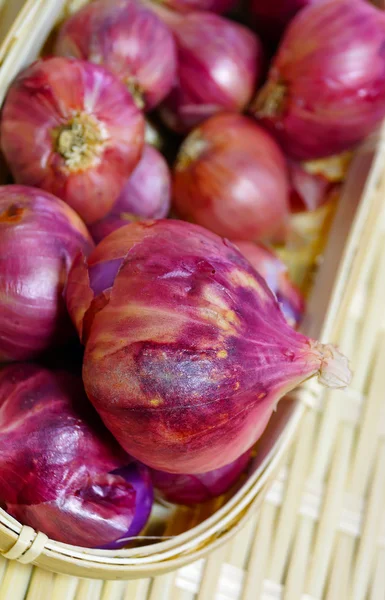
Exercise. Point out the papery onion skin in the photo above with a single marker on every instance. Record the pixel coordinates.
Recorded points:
(199, 487)
(230, 176)
(146, 195)
(219, 64)
(72, 128)
(187, 6)
(129, 40)
(326, 87)
(39, 238)
(186, 348)
(271, 17)
(276, 275)
(58, 463)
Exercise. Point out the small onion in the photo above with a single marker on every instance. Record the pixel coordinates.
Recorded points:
(72, 128)
(276, 275)
(186, 349)
(326, 87)
(230, 176)
(146, 195)
(219, 63)
(39, 238)
(199, 487)
(271, 17)
(128, 39)
(62, 473)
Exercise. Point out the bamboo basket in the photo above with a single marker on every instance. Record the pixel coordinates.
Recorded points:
(189, 534)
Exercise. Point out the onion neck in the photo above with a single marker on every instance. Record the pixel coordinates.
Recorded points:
(190, 150)
(135, 91)
(271, 100)
(81, 141)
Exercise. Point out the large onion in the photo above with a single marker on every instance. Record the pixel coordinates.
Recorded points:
(61, 471)
(72, 128)
(146, 195)
(219, 63)
(39, 238)
(186, 349)
(230, 176)
(129, 40)
(326, 87)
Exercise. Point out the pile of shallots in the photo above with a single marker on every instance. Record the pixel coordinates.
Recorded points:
(158, 160)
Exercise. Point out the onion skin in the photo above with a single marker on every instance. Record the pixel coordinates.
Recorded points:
(72, 129)
(276, 275)
(61, 472)
(271, 18)
(199, 487)
(219, 64)
(129, 40)
(186, 348)
(187, 6)
(326, 87)
(146, 194)
(39, 238)
(231, 177)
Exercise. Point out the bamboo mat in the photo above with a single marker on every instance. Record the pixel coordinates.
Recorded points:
(321, 531)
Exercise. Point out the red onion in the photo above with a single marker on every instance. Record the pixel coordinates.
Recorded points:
(186, 6)
(186, 349)
(39, 238)
(129, 40)
(61, 471)
(326, 87)
(219, 63)
(145, 195)
(199, 487)
(276, 275)
(72, 128)
(272, 17)
(230, 176)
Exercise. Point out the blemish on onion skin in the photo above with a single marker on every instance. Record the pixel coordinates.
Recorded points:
(261, 396)
(12, 214)
(156, 402)
(222, 354)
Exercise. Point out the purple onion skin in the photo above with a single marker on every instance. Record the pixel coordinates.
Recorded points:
(326, 87)
(146, 195)
(275, 273)
(271, 18)
(39, 238)
(219, 64)
(61, 472)
(199, 487)
(138, 476)
(129, 40)
(186, 6)
(186, 349)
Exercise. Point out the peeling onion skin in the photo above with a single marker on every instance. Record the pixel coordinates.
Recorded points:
(62, 473)
(326, 87)
(231, 177)
(186, 348)
(59, 106)
(129, 40)
(199, 487)
(219, 65)
(39, 238)
(146, 195)
(275, 273)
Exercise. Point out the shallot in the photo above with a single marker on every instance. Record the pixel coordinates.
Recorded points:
(39, 238)
(62, 473)
(73, 129)
(146, 195)
(326, 87)
(230, 176)
(128, 39)
(186, 349)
